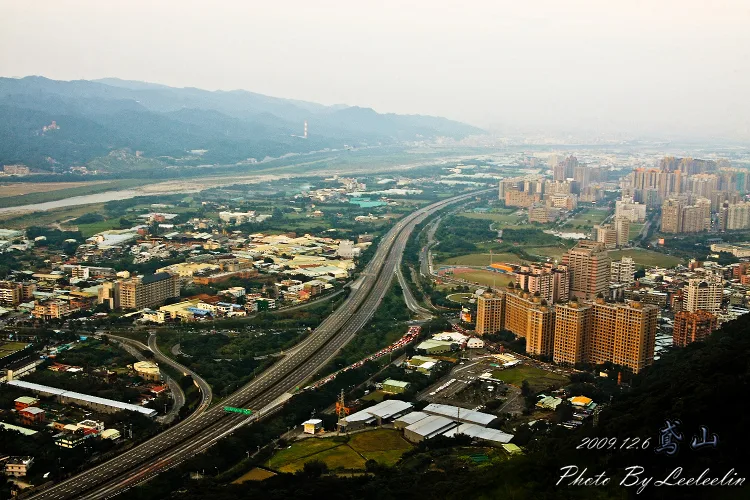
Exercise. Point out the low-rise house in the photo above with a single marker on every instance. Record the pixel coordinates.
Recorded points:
(18, 466)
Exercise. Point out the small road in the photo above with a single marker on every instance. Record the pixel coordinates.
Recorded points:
(206, 392)
(409, 299)
(133, 346)
(177, 393)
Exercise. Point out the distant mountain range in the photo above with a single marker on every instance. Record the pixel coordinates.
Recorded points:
(51, 125)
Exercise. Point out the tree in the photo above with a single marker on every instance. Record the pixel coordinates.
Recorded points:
(314, 468)
(525, 389)
(563, 412)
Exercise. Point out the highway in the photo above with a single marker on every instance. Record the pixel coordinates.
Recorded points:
(264, 393)
(409, 299)
(205, 389)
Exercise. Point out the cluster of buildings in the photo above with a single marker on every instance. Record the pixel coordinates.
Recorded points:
(574, 332)
(615, 235)
(548, 199)
(75, 286)
(590, 309)
(432, 421)
(694, 195)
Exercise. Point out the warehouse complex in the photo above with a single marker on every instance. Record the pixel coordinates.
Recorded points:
(100, 404)
(434, 420)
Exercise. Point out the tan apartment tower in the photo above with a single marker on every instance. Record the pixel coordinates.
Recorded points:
(589, 267)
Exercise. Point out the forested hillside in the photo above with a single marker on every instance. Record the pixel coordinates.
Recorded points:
(51, 125)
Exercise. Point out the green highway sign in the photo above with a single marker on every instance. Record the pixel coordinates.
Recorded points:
(232, 409)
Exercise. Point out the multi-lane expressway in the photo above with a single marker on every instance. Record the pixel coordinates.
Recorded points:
(264, 393)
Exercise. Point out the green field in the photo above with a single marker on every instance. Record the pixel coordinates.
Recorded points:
(93, 228)
(7, 348)
(254, 475)
(504, 218)
(539, 380)
(634, 230)
(555, 252)
(588, 218)
(461, 298)
(301, 450)
(383, 445)
(485, 278)
(646, 258)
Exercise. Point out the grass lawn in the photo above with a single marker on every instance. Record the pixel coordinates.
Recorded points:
(538, 379)
(254, 475)
(480, 259)
(340, 457)
(378, 440)
(634, 230)
(588, 218)
(97, 227)
(507, 218)
(383, 445)
(300, 450)
(646, 258)
(7, 348)
(485, 278)
(461, 298)
(555, 252)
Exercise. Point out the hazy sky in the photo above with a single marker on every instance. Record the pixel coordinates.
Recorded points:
(679, 66)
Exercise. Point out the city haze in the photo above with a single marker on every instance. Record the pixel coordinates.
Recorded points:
(676, 69)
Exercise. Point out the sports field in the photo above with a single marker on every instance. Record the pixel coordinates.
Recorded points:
(383, 445)
(480, 259)
(538, 379)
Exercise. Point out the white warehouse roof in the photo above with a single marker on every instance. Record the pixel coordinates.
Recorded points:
(431, 426)
(460, 414)
(479, 432)
(412, 418)
(44, 389)
(385, 410)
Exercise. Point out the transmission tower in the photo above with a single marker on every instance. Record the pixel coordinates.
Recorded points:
(342, 411)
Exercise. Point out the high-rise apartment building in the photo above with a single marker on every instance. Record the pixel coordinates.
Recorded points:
(589, 267)
(582, 175)
(551, 281)
(606, 235)
(622, 228)
(671, 216)
(599, 332)
(692, 327)
(148, 291)
(704, 294)
(634, 335)
(540, 330)
(572, 332)
(627, 207)
(490, 309)
(738, 216)
(622, 271)
(677, 217)
(565, 169)
(543, 214)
